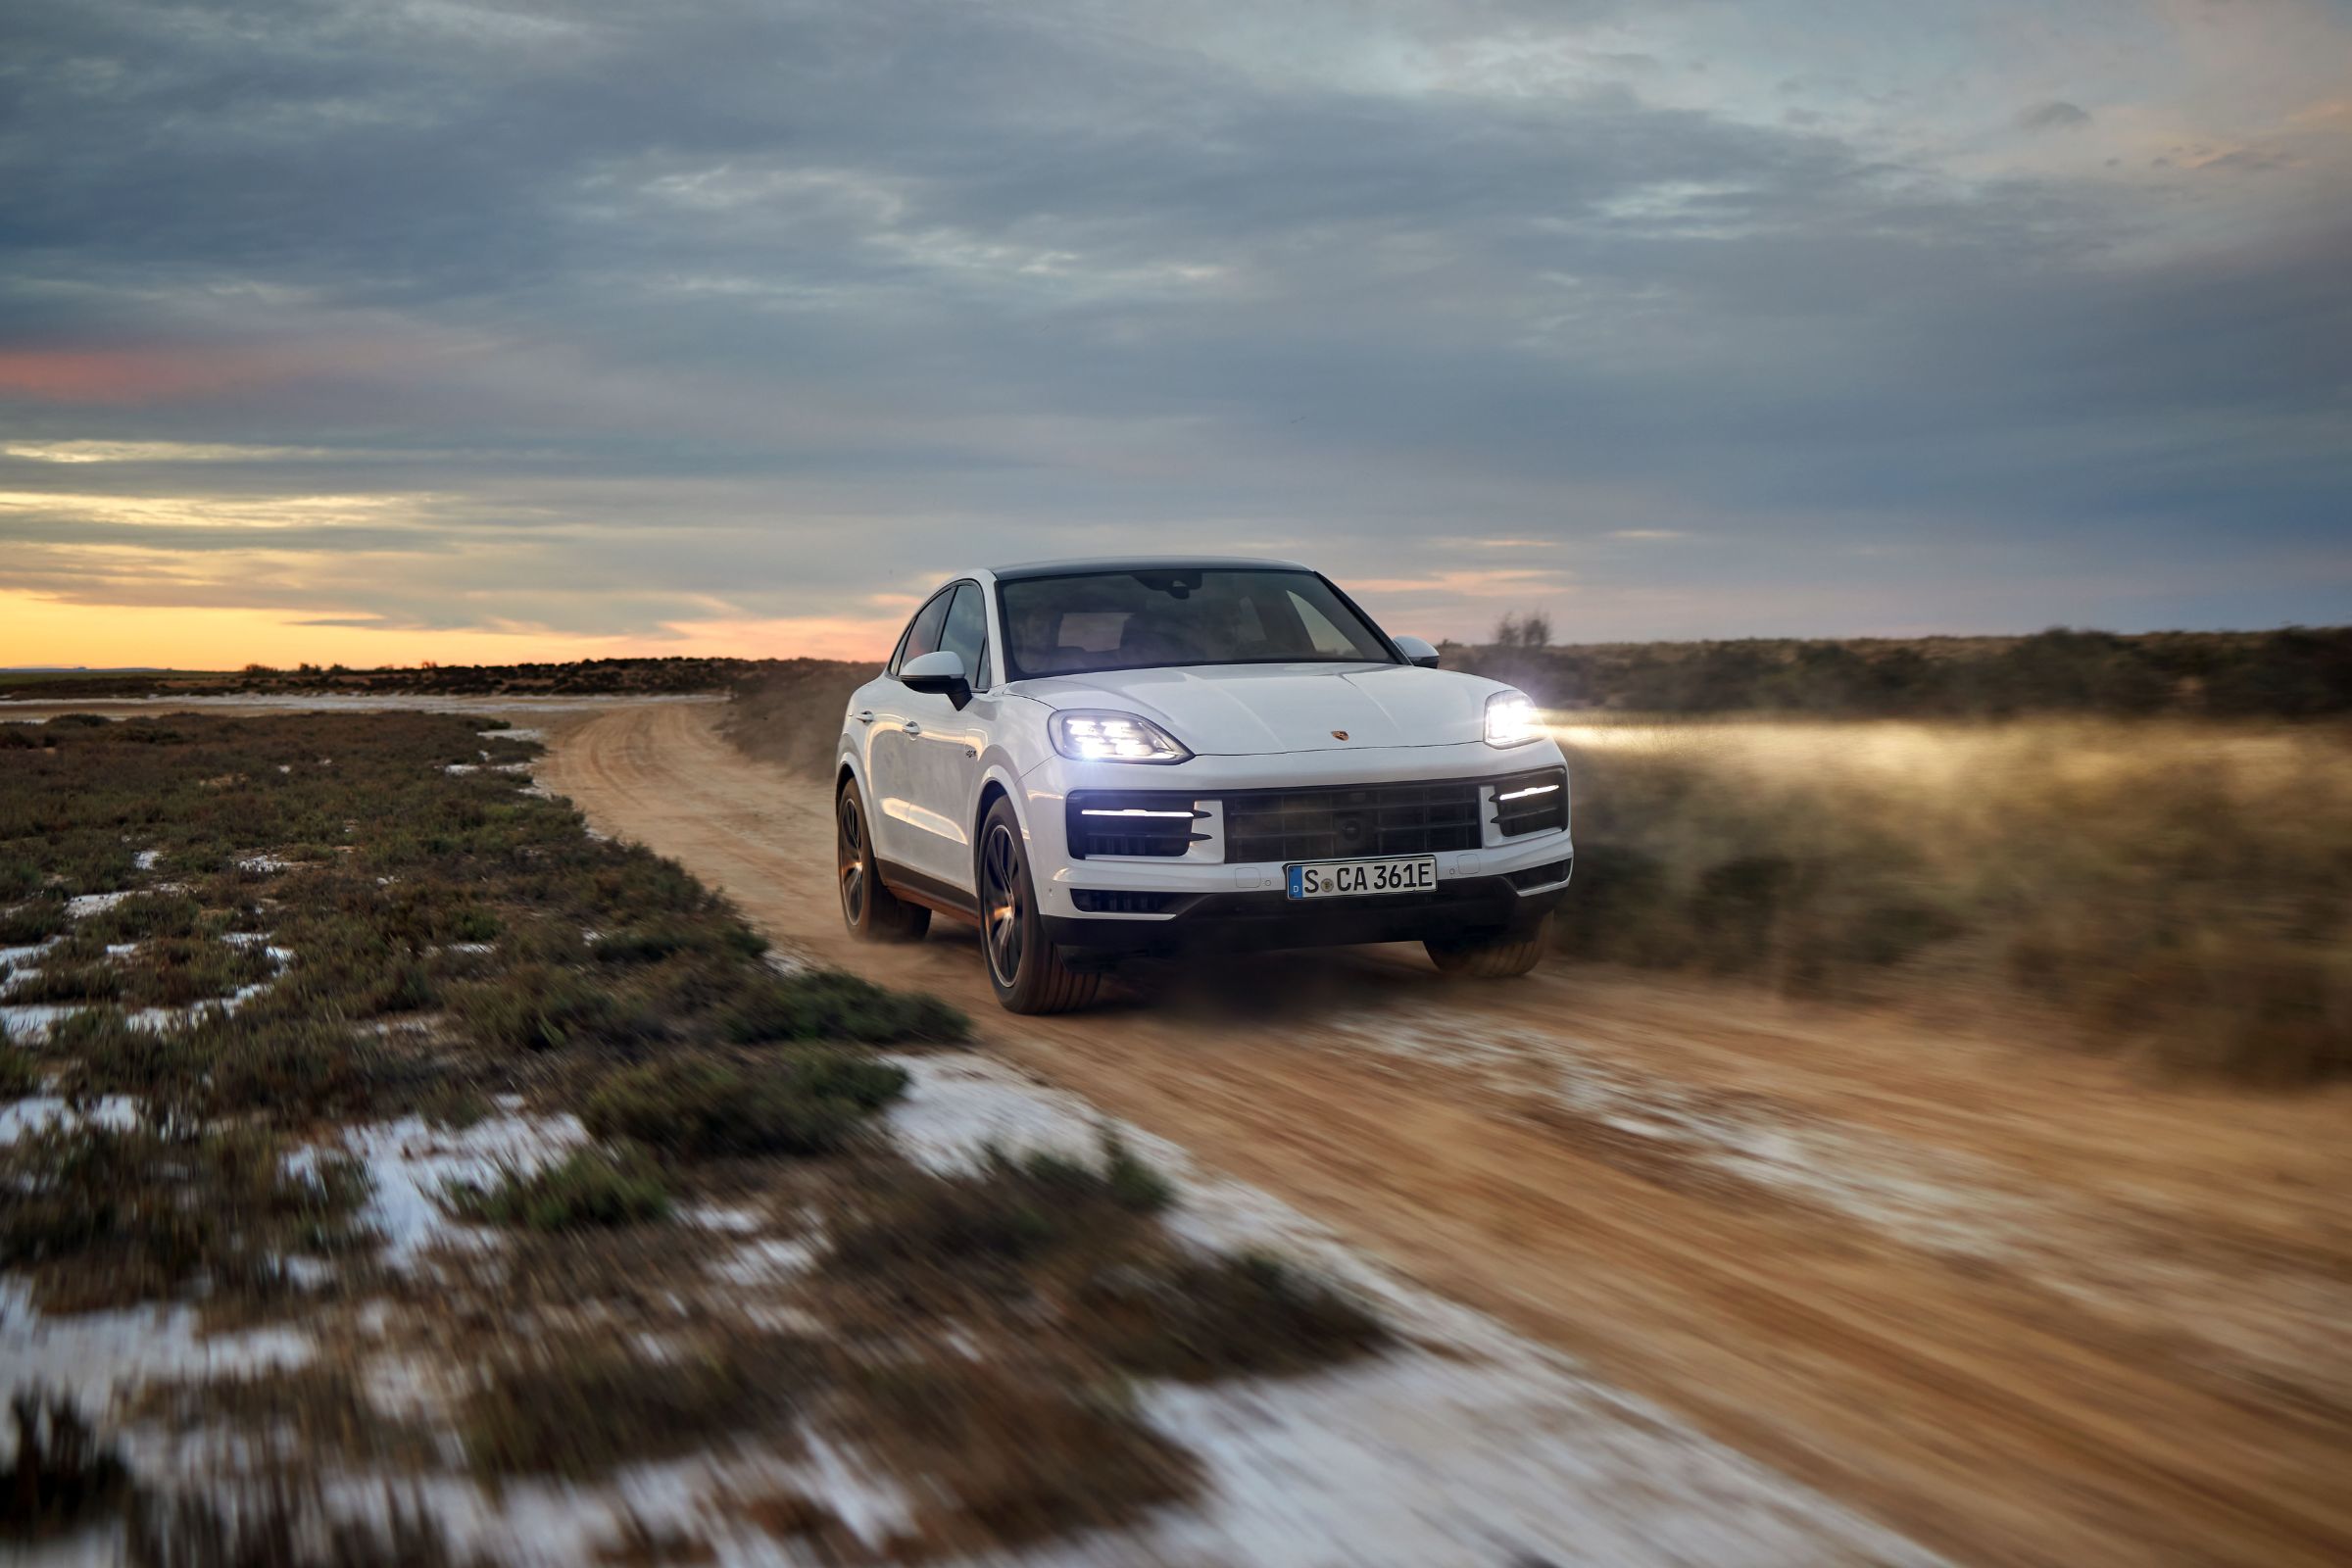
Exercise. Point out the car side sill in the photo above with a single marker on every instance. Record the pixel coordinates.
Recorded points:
(917, 887)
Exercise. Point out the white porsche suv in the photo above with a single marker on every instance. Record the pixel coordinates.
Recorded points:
(1102, 757)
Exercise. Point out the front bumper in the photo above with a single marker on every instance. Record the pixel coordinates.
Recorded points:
(1463, 906)
(1112, 904)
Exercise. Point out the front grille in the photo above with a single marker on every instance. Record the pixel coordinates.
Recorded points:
(1531, 803)
(1154, 824)
(1113, 900)
(1368, 819)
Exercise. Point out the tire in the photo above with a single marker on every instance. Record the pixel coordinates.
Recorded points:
(1490, 957)
(871, 912)
(1027, 974)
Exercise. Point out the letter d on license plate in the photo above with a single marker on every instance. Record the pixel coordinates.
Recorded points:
(1337, 879)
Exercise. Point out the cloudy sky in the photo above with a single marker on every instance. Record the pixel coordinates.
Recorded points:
(386, 329)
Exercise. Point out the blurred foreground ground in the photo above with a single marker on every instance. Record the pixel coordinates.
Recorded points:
(2024, 1304)
(1907, 1250)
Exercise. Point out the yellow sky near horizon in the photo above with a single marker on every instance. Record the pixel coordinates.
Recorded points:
(39, 630)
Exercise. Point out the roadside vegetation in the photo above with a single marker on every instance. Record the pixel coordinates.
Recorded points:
(2297, 672)
(2177, 889)
(258, 966)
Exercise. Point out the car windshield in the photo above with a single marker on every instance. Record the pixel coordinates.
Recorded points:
(1094, 620)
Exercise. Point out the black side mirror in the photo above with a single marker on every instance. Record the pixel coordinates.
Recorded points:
(940, 673)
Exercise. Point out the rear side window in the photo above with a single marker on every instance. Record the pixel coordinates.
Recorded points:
(966, 634)
(923, 632)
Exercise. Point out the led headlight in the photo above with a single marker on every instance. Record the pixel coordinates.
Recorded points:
(1088, 736)
(1511, 719)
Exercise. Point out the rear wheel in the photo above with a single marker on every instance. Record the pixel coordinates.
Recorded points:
(1028, 975)
(1490, 957)
(871, 912)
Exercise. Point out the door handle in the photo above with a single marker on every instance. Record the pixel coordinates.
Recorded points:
(914, 728)
(865, 715)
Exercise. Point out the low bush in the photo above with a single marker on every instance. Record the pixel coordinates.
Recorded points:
(36, 920)
(540, 1007)
(833, 1004)
(579, 1407)
(702, 1108)
(101, 1215)
(1198, 1319)
(1011, 1210)
(587, 1188)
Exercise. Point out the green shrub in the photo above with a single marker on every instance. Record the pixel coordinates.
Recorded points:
(578, 1408)
(104, 1215)
(834, 1004)
(20, 1074)
(1199, 1319)
(1012, 1209)
(587, 1188)
(35, 921)
(538, 1007)
(698, 1107)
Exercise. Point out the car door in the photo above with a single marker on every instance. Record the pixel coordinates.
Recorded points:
(893, 729)
(944, 744)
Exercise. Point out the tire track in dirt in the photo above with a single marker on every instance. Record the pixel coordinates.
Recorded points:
(1987, 1422)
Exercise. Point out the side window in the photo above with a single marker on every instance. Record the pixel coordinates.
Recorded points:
(966, 634)
(923, 632)
(1327, 638)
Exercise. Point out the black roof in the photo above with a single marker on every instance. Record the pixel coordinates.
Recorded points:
(1069, 568)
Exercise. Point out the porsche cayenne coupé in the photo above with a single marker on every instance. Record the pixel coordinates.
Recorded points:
(1102, 757)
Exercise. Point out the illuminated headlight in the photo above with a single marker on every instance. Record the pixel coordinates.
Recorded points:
(1093, 737)
(1511, 719)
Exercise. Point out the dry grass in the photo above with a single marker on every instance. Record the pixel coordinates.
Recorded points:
(579, 1407)
(2181, 889)
(708, 1106)
(102, 1216)
(587, 1188)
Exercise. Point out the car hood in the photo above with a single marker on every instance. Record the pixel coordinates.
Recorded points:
(1245, 709)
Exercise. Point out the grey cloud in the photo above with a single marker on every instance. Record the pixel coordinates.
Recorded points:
(2056, 115)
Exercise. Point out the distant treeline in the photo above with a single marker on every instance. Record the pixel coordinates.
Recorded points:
(2295, 673)
(2299, 672)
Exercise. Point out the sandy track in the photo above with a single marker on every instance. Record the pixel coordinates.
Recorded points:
(2013, 1304)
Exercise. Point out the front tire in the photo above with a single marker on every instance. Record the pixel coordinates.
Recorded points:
(1490, 957)
(1027, 974)
(871, 912)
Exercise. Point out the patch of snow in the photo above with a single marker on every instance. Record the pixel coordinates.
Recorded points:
(512, 734)
(462, 767)
(40, 1112)
(120, 950)
(23, 956)
(27, 1021)
(414, 1163)
(769, 1260)
(264, 864)
(96, 1355)
(470, 947)
(85, 904)
(147, 860)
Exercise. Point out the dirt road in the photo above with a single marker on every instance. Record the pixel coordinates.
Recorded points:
(2015, 1304)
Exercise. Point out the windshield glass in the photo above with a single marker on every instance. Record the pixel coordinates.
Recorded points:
(1189, 615)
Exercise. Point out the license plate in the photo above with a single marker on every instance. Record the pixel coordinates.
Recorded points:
(1336, 879)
